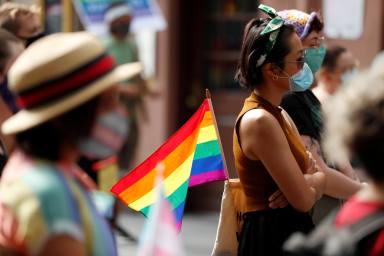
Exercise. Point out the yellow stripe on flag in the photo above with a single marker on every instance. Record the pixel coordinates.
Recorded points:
(207, 133)
(171, 184)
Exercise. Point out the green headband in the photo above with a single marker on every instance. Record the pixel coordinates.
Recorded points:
(272, 28)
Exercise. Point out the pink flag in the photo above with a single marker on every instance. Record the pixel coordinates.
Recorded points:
(160, 235)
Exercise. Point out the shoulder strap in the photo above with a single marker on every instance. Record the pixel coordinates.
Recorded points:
(362, 228)
(326, 239)
(366, 226)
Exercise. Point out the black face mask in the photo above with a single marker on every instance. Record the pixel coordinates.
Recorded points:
(120, 29)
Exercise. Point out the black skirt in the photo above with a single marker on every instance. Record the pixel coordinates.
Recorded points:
(264, 232)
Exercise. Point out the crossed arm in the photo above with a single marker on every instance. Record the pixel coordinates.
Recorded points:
(337, 184)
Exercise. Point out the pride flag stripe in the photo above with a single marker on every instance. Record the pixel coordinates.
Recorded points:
(171, 183)
(149, 198)
(178, 211)
(207, 164)
(173, 161)
(176, 199)
(206, 134)
(206, 177)
(207, 119)
(207, 149)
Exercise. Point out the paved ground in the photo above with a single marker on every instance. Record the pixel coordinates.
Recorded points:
(198, 233)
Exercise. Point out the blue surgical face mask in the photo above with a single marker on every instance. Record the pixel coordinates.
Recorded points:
(314, 58)
(347, 76)
(302, 80)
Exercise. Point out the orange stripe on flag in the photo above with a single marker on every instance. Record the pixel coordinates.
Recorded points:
(207, 119)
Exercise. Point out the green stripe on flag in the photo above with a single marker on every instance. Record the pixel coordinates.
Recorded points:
(176, 198)
(207, 149)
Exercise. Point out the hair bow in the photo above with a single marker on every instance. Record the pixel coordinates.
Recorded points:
(272, 28)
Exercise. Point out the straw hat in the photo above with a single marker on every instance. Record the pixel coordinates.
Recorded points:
(58, 73)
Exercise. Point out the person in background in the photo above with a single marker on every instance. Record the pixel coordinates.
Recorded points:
(10, 48)
(45, 199)
(22, 20)
(305, 110)
(338, 67)
(355, 129)
(122, 46)
(269, 155)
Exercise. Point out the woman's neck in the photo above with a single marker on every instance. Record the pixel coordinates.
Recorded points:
(68, 154)
(271, 93)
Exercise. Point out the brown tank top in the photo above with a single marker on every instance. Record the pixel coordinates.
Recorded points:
(257, 182)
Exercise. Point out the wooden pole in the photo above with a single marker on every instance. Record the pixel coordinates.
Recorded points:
(67, 16)
(208, 96)
(41, 4)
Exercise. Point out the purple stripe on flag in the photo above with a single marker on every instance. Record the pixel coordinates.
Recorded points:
(207, 177)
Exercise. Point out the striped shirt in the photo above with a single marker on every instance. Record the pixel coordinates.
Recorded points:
(40, 199)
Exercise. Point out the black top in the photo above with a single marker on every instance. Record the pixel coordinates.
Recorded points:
(305, 110)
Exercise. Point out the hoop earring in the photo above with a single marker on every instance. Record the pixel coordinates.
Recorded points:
(275, 77)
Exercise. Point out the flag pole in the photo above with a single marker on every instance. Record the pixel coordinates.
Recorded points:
(208, 96)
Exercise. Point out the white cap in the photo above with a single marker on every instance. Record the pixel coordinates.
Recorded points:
(116, 12)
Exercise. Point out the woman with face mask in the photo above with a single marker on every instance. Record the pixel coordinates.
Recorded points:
(305, 110)
(269, 155)
(338, 68)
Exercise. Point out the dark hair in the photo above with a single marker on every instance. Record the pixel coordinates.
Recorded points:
(253, 46)
(113, 30)
(6, 38)
(316, 25)
(46, 140)
(331, 56)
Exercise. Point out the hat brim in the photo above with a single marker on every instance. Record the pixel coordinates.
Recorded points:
(26, 119)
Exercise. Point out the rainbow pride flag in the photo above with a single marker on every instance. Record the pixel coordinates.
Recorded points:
(192, 156)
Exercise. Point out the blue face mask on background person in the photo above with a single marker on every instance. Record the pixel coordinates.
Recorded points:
(314, 58)
(347, 76)
(107, 136)
(302, 80)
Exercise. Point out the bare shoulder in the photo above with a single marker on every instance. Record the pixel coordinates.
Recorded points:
(258, 120)
(258, 128)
